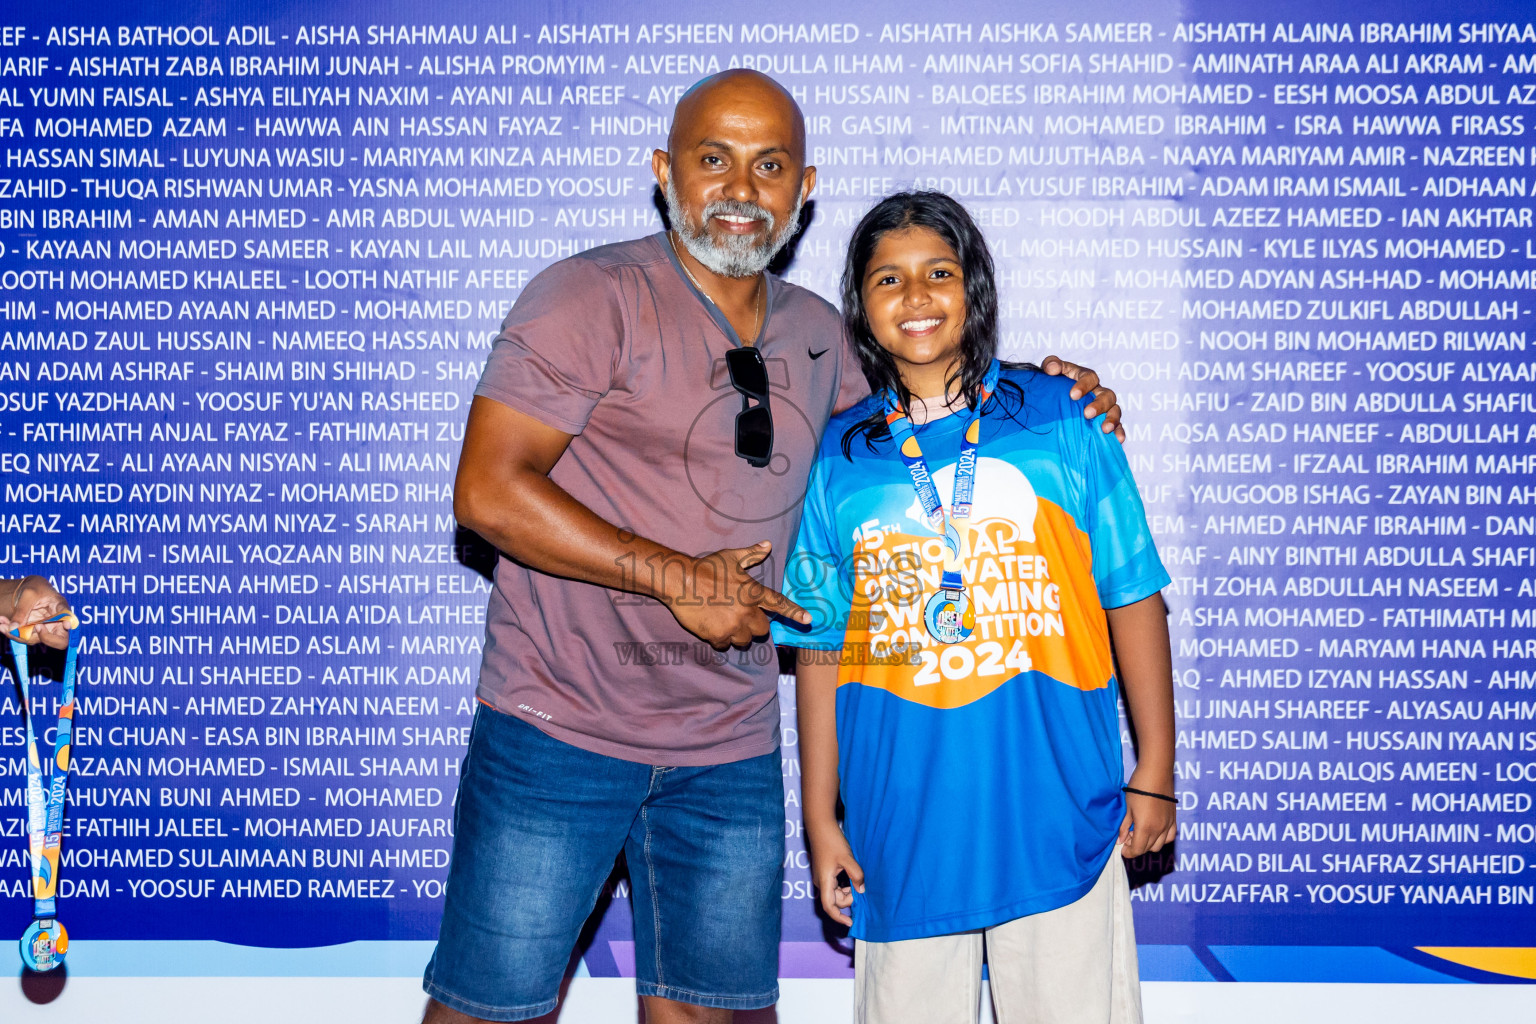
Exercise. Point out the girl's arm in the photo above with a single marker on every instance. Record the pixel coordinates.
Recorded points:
(816, 705)
(1139, 633)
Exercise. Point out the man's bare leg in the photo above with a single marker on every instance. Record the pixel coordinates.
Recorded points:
(657, 1011)
(437, 1013)
(669, 1011)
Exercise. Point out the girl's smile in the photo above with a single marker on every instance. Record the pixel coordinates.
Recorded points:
(921, 328)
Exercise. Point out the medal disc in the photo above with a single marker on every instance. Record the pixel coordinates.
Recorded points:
(948, 616)
(44, 945)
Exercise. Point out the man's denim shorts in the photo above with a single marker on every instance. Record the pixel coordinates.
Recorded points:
(538, 825)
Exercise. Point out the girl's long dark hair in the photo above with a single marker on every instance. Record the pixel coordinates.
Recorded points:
(978, 339)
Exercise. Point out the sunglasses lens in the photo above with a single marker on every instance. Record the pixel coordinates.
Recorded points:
(754, 434)
(748, 374)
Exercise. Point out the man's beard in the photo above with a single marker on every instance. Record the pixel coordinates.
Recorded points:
(734, 255)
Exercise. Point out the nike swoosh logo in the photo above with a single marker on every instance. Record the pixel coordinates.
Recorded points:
(816, 355)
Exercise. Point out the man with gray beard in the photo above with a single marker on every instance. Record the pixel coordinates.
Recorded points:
(637, 449)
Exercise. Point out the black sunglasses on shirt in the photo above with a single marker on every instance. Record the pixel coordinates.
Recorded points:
(754, 424)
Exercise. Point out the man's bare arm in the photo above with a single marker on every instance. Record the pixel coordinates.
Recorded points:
(503, 492)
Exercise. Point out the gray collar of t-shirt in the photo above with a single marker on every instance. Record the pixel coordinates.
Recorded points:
(713, 310)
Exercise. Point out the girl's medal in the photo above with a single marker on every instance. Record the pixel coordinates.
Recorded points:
(947, 614)
(948, 617)
(45, 942)
(44, 945)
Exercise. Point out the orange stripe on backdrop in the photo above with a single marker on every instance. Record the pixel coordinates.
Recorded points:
(1077, 656)
(1508, 960)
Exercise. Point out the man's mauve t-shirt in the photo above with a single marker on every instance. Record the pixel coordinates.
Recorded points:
(617, 347)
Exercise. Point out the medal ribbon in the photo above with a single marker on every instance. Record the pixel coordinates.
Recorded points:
(45, 810)
(956, 527)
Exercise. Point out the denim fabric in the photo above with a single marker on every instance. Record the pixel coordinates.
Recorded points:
(538, 825)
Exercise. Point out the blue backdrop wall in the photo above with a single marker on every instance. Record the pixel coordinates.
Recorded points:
(252, 258)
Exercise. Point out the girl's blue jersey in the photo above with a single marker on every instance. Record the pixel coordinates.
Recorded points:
(981, 780)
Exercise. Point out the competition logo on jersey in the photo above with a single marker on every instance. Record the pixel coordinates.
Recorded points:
(1023, 554)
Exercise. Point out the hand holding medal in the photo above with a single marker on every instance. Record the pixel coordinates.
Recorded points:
(35, 612)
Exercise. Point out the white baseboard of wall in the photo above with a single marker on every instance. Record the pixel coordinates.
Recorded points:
(212, 1000)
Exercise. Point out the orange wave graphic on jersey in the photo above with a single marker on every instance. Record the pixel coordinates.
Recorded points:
(1016, 628)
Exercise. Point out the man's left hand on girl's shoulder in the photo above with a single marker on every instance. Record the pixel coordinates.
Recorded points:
(1086, 380)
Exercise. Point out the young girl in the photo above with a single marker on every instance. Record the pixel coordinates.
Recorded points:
(978, 555)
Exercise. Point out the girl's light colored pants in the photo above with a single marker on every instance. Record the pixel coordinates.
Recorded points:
(1072, 965)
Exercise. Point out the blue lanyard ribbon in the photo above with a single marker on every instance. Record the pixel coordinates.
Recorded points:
(45, 809)
(956, 527)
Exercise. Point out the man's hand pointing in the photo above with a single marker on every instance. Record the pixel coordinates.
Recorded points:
(718, 602)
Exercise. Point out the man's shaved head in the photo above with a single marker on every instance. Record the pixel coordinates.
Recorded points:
(737, 92)
(734, 174)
